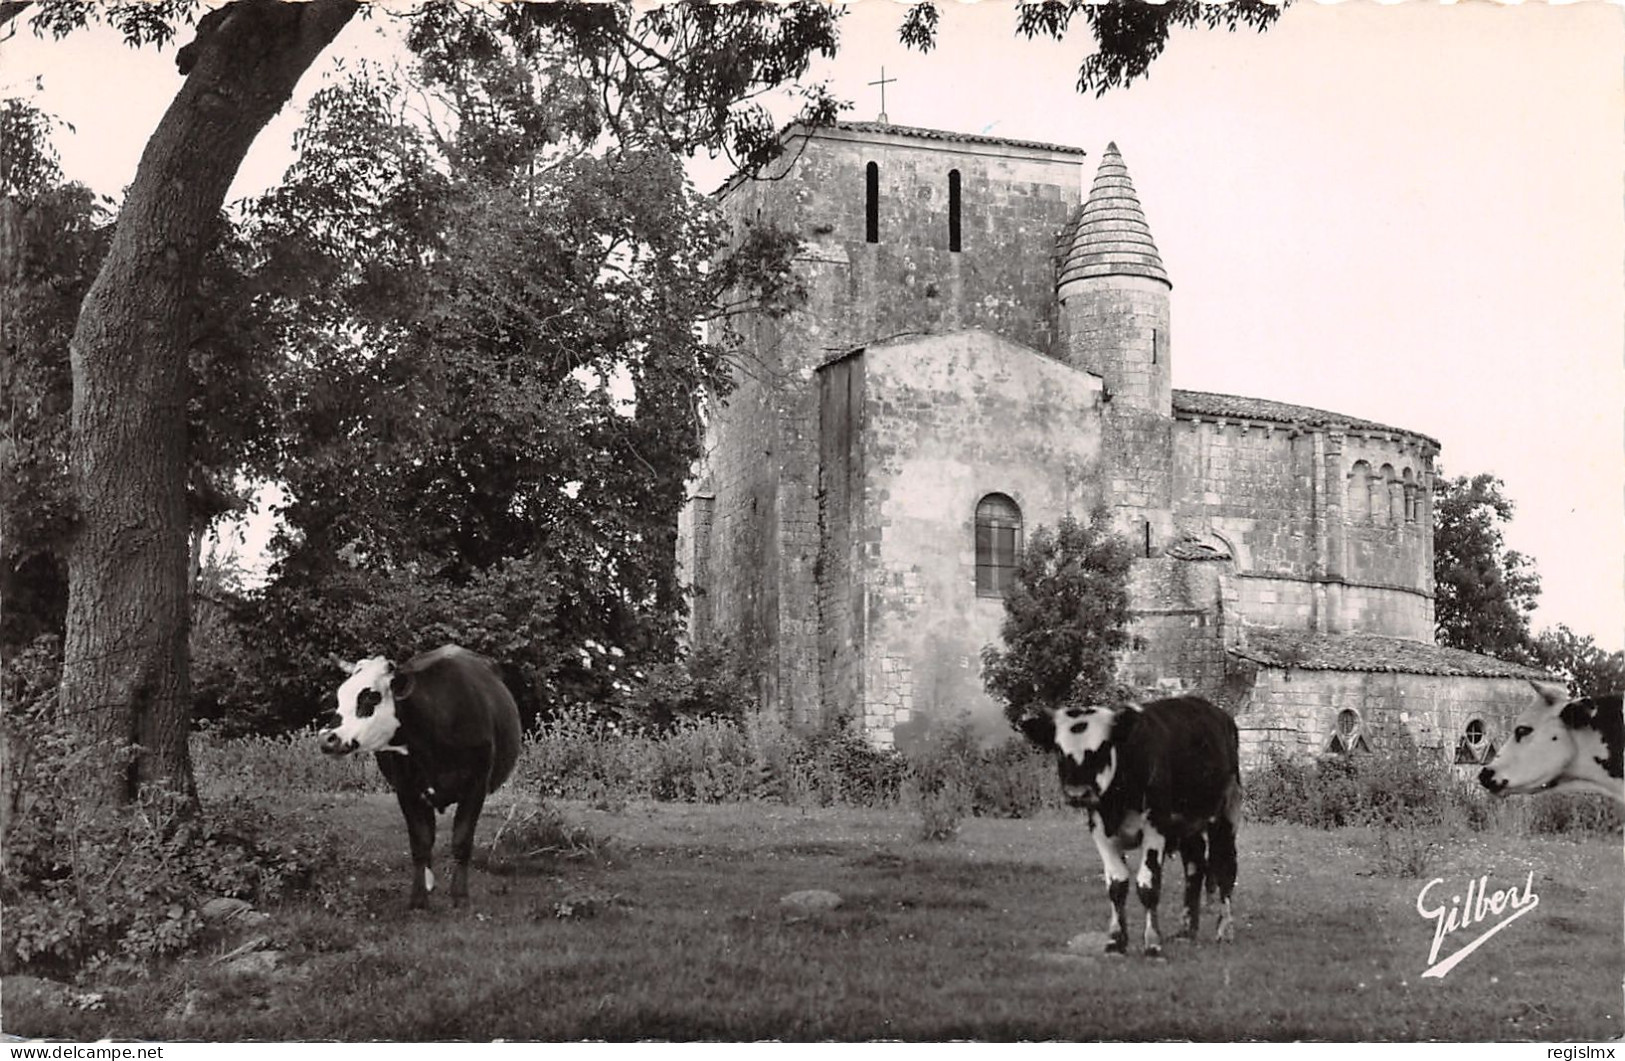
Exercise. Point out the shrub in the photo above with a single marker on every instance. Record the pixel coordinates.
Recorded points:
(1065, 618)
(535, 829)
(261, 765)
(1401, 793)
(837, 767)
(87, 886)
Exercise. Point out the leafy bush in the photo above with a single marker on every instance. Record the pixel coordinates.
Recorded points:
(1402, 792)
(1065, 618)
(259, 765)
(87, 886)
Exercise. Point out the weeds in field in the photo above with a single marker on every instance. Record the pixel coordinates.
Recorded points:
(534, 829)
(1409, 802)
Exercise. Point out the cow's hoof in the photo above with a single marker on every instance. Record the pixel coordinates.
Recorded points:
(1154, 951)
(1117, 946)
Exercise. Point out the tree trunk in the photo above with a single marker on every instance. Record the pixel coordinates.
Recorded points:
(124, 677)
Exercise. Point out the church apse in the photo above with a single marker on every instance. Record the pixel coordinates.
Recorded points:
(981, 335)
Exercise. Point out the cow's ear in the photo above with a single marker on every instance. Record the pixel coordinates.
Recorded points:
(347, 668)
(1552, 698)
(1039, 728)
(1124, 719)
(400, 683)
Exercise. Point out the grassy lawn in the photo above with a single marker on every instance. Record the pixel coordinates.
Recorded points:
(674, 930)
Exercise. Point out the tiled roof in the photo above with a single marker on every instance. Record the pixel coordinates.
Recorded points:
(1235, 407)
(1304, 650)
(1109, 236)
(960, 138)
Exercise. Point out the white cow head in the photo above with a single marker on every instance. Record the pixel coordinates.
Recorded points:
(366, 719)
(1085, 740)
(1557, 743)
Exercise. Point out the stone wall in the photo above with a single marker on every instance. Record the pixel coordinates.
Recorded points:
(1295, 711)
(1279, 494)
(948, 420)
(1177, 628)
(763, 461)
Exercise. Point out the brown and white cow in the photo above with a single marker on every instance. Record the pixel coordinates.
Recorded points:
(1163, 776)
(445, 730)
(1562, 744)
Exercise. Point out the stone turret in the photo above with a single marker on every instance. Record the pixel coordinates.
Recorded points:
(1113, 292)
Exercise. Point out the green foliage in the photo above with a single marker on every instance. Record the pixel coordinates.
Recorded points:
(1065, 619)
(1484, 592)
(579, 754)
(492, 364)
(535, 829)
(86, 886)
(1404, 796)
(1127, 37)
(1588, 670)
(57, 237)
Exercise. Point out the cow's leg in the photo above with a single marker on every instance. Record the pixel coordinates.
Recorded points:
(462, 842)
(1148, 886)
(1116, 868)
(420, 834)
(1193, 855)
(1222, 851)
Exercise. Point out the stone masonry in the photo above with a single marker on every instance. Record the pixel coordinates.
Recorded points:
(978, 327)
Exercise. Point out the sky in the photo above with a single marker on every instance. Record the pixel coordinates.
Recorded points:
(1408, 213)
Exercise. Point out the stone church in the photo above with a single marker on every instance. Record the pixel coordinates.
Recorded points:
(985, 348)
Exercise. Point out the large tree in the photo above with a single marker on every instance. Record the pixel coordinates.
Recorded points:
(490, 357)
(1484, 592)
(677, 72)
(1588, 669)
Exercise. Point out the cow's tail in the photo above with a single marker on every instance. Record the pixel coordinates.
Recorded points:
(1222, 833)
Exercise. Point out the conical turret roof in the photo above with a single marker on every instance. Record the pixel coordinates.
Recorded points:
(1108, 236)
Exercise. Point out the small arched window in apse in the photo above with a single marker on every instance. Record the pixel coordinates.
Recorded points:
(1348, 735)
(1475, 746)
(871, 203)
(998, 545)
(1359, 506)
(1392, 499)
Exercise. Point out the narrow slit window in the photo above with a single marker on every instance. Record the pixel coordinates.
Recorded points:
(871, 203)
(998, 545)
(1155, 336)
(953, 210)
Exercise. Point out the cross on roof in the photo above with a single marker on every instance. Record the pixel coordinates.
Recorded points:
(883, 82)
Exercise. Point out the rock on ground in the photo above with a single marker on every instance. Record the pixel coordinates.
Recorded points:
(810, 900)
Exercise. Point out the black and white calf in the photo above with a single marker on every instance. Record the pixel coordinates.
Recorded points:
(445, 730)
(1562, 744)
(1163, 776)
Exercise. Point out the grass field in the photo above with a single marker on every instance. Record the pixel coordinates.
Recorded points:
(671, 927)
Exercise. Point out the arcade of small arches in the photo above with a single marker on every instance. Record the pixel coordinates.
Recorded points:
(1383, 496)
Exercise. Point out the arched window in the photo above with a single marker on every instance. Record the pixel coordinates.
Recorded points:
(998, 545)
(1359, 506)
(1475, 745)
(871, 203)
(1349, 735)
(953, 210)
(1410, 496)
